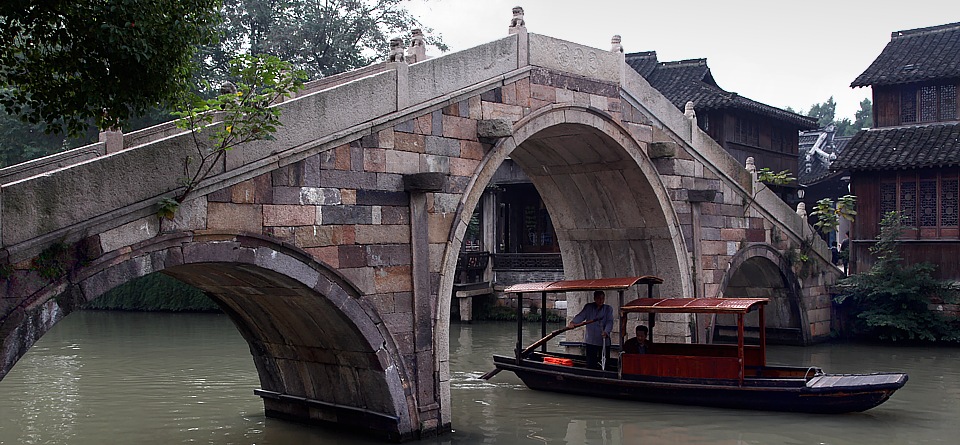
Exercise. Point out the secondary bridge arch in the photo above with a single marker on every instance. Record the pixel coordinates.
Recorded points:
(313, 340)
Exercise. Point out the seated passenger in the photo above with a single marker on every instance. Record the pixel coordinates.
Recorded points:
(638, 344)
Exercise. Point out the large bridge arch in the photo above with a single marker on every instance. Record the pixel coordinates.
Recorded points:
(760, 270)
(322, 353)
(613, 215)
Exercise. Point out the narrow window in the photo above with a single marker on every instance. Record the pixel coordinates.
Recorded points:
(948, 102)
(928, 103)
(888, 198)
(908, 105)
(928, 203)
(949, 189)
(908, 203)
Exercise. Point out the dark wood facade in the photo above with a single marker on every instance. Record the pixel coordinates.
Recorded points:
(910, 162)
(771, 143)
(912, 104)
(928, 199)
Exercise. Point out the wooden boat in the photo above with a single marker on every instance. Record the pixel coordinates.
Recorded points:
(720, 375)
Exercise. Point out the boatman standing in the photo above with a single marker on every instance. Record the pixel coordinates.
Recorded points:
(598, 333)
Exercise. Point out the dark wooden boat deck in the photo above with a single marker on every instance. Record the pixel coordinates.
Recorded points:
(858, 381)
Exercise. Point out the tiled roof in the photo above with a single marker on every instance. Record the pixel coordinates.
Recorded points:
(916, 55)
(691, 80)
(818, 149)
(933, 145)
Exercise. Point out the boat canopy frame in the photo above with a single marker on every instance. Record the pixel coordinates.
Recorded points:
(619, 284)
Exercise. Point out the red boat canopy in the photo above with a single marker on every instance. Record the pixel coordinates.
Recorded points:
(694, 305)
(582, 285)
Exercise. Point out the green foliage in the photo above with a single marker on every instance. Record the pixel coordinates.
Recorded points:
(154, 292)
(890, 301)
(824, 113)
(52, 263)
(320, 37)
(240, 114)
(828, 212)
(768, 176)
(65, 63)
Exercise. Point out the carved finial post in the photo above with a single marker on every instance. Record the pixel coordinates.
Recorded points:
(396, 51)
(802, 210)
(615, 45)
(688, 110)
(751, 167)
(417, 51)
(517, 25)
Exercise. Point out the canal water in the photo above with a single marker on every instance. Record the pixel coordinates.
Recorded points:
(134, 378)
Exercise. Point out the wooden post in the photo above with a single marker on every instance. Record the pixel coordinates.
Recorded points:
(543, 318)
(519, 325)
(763, 338)
(740, 344)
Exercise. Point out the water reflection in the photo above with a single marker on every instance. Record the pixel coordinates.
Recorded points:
(101, 377)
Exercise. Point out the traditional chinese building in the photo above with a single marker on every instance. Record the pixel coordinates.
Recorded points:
(910, 161)
(742, 126)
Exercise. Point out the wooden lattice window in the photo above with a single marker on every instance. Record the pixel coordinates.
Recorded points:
(888, 198)
(948, 102)
(928, 103)
(908, 105)
(908, 203)
(949, 191)
(747, 131)
(928, 203)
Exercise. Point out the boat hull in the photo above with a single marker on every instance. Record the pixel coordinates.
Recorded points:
(858, 393)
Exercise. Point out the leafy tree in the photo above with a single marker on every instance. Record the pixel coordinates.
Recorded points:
(66, 63)
(864, 117)
(824, 113)
(320, 37)
(890, 301)
(21, 142)
(828, 213)
(240, 114)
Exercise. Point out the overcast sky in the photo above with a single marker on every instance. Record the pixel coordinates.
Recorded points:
(782, 53)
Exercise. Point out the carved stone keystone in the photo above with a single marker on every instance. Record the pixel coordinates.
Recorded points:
(706, 195)
(660, 150)
(494, 128)
(424, 182)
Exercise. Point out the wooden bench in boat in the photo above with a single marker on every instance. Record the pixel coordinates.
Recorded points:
(691, 361)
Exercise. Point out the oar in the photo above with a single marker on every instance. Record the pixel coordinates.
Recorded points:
(537, 343)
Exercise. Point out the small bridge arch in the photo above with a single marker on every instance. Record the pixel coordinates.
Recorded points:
(760, 270)
(311, 337)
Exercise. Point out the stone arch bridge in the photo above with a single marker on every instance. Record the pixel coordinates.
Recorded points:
(333, 247)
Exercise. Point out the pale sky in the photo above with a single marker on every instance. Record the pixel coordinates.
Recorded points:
(782, 53)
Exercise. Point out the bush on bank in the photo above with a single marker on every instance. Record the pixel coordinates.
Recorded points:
(155, 292)
(891, 301)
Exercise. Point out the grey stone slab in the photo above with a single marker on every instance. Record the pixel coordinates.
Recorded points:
(562, 55)
(388, 255)
(346, 214)
(313, 116)
(451, 72)
(389, 181)
(438, 145)
(348, 179)
(382, 198)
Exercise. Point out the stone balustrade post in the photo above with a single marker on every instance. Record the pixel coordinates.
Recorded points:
(112, 139)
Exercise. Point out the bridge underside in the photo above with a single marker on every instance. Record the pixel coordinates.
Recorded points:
(313, 363)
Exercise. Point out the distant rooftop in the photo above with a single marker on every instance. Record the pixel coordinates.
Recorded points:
(933, 145)
(916, 55)
(691, 80)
